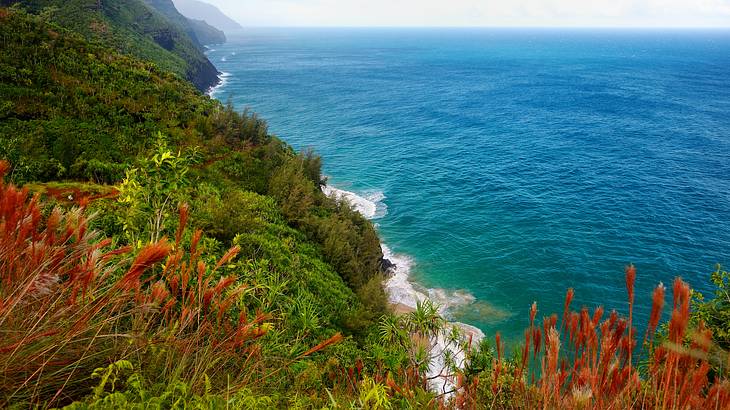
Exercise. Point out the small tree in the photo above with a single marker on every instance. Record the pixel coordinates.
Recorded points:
(152, 192)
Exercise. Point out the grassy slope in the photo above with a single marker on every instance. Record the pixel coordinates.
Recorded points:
(63, 98)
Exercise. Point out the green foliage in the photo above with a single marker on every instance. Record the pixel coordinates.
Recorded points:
(293, 191)
(237, 212)
(151, 30)
(716, 311)
(373, 396)
(140, 394)
(77, 110)
(714, 314)
(110, 374)
(152, 192)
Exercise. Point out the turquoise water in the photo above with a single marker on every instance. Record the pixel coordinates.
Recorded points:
(513, 164)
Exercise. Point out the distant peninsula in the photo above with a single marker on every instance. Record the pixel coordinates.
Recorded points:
(195, 9)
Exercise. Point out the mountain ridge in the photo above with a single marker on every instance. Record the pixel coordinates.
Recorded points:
(195, 9)
(149, 30)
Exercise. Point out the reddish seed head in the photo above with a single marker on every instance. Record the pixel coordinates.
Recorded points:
(684, 293)
(553, 348)
(677, 292)
(84, 201)
(332, 340)
(4, 167)
(566, 308)
(630, 280)
(159, 292)
(115, 252)
(573, 326)
(533, 313)
(201, 272)
(657, 304)
(207, 297)
(597, 315)
(612, 318)
(224, 283)
(184, 213)
(194, 242)
(227, 257)
(147, 257)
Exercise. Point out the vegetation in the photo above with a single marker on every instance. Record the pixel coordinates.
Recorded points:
(587, 361)
(205, 33)
(151, 30)
(207, 12)
(195, 262)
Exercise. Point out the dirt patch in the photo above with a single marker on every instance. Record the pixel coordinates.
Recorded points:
(74, 195)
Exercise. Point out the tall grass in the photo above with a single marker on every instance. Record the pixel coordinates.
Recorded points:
(588, 362)
(70, 303)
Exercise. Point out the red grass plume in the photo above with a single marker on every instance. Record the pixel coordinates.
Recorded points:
(594, 368)
(66, 309)
(336, 338)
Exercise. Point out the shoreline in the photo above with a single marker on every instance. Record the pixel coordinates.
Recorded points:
(222, 75)
(404, 295)
(222, 80)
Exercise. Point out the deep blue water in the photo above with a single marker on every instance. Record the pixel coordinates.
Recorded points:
(514, 163)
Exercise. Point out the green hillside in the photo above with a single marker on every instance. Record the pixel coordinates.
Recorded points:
(205, 11)
(205, 33)
(150, 30)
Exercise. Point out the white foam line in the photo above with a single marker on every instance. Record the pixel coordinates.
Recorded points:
(371, 206)
(216, 88)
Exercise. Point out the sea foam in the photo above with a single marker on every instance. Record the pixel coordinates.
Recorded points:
(223, 77)
(370, 205)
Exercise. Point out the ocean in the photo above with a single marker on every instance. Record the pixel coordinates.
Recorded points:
(503, 166)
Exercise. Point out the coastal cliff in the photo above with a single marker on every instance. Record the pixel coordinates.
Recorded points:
(150, 30)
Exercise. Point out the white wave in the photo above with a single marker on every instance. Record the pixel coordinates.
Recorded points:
(224, 59)
(215, 89)
(402, 291)
(370, 205)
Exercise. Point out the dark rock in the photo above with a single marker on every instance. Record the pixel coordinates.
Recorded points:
(386, 266)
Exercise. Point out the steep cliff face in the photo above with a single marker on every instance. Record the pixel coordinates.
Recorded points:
(203, 74)
(198, 30)
(148, 29)
(167, 9)
(201, 71)
(195, 9)
(206, 33)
